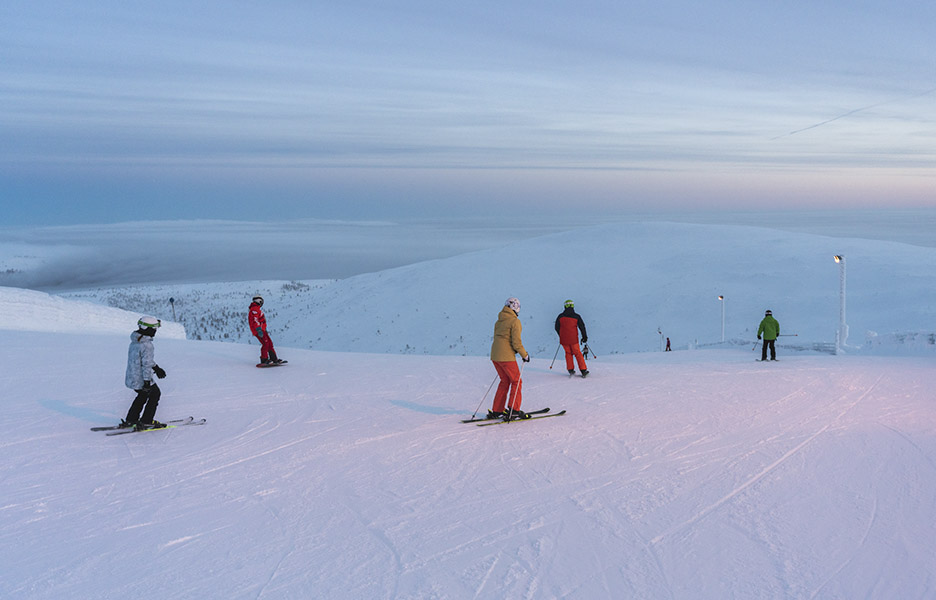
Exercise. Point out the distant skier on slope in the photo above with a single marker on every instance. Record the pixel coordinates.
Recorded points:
(258, 327)
(568, 325)
(770, 329)
(141, 366)
(506, 345)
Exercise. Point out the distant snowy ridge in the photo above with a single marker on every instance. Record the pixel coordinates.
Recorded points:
(634, 284)
(27, 310)
(211, 311)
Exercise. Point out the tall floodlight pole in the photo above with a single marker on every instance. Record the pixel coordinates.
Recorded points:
(722, 299)
(842, 333)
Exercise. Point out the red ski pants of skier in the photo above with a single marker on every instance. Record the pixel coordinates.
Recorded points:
(266, 347)
(509, 382)
(574, 350)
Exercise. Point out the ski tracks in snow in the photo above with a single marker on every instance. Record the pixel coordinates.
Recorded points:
(756, 477)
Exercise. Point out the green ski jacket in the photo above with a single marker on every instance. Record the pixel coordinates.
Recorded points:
(769, 327)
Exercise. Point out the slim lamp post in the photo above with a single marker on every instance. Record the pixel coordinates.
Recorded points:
(722, 299)
(842, 333)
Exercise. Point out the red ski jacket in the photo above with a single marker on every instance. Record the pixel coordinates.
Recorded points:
(568, 324)
(256, 319)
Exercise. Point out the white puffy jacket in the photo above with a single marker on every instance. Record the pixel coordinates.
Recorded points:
(140, 360)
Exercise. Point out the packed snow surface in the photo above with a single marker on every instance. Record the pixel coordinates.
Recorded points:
(683, 475)
(694, 474)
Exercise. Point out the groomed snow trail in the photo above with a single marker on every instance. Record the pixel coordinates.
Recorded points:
(686, 475)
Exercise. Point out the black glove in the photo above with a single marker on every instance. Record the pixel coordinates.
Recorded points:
(526, 358)
(584, 339)
(758, 337)
(159, 372)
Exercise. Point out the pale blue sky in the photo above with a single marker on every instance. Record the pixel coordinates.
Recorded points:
(112, 111)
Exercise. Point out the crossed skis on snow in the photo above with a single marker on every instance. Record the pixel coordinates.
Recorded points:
(537, 414)
(171, 424)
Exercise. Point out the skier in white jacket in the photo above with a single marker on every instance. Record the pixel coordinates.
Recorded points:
(141, 367)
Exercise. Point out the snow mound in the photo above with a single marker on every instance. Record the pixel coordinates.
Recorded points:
(27, 310)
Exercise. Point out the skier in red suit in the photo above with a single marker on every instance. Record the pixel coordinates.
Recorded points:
(568, 325)
(258, 327)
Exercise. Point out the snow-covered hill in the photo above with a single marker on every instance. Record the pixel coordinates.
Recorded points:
(684, 475)
(213, 311)
(28, 310)
(629, 281)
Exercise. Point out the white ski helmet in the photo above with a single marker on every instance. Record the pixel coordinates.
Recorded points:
(513, 304)
(258, 300)
(149, 323)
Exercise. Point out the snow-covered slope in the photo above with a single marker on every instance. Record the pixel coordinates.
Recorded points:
(628, 281)
(28, 310)
(212, 311)
(684, 475)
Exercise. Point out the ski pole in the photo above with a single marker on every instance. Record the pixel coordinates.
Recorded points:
(554, 356)
(483, 397)
(517, 387)
(788, 335)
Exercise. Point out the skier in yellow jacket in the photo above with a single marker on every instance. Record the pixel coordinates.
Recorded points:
(507, 344)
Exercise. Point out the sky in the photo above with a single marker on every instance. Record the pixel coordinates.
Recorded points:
(122, 111)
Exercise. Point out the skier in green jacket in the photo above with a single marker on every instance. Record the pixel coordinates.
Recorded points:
(770, 329)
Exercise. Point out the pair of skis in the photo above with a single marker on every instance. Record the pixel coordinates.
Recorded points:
(119, 430)
(538, 414)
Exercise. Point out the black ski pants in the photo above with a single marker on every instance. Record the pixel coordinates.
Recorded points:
(146, 400)
(773, 350)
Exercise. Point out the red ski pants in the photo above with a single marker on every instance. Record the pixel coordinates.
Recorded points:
(574, 350)
(509, 382)
(266, 347)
